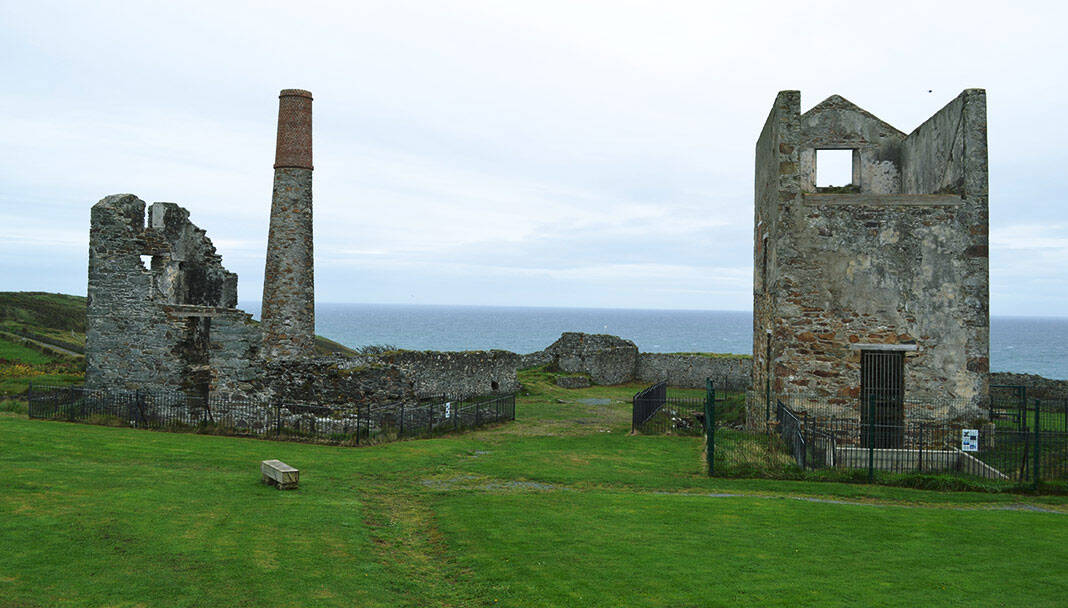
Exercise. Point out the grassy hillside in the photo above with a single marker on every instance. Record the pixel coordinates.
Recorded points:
(561, 508)
(47, 317)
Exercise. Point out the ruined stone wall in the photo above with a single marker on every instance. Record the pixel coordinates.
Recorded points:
(875, 269)
(170, 324)
(457, 375)
(606, 359)
(690, 371)
(335, 381)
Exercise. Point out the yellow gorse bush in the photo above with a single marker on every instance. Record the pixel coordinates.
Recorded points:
(14, 370)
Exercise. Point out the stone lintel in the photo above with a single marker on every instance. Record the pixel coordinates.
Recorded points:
(189, 310)
(883, 200)
(888, 347)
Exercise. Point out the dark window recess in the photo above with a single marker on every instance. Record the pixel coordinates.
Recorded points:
(494, 385)
(882, 405)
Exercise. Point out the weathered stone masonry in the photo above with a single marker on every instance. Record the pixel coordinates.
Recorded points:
(896, 261)
(169, 325)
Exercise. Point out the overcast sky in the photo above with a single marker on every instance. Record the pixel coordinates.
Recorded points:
(511, 153)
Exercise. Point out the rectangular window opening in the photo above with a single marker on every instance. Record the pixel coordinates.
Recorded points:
(834, 168)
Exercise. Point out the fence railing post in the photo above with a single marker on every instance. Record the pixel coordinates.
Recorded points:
(29, 399)
(710, 426)
(1038, 435)
(871, 438)
(919, 466)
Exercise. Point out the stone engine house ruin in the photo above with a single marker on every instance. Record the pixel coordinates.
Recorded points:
(877, 289)
(162, 314)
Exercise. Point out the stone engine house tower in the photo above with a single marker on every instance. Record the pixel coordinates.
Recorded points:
(879, 287)
(288, 312)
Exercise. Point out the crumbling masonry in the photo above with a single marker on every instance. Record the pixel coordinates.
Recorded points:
(170, 322)
(890, 269)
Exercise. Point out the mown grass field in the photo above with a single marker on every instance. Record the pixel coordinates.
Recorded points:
(561, 508)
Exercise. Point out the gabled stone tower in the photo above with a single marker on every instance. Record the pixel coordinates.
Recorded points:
(288, 311)
(880, 287)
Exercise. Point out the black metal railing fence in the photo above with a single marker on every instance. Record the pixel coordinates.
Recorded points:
(351, 425)
(659, 409)
(1025, 444)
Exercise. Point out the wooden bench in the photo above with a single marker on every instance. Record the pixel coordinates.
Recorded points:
(280, 474)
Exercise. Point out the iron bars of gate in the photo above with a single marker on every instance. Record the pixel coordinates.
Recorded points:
(646, 403)
(286, 420)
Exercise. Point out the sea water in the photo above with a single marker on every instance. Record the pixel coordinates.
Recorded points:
(1037, 345)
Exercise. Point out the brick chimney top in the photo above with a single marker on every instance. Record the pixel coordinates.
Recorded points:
(295, 93)
(294, 148)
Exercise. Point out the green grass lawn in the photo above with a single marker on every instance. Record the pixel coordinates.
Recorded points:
(561, 508)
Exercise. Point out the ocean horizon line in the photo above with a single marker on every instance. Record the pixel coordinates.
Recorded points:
(257, 303)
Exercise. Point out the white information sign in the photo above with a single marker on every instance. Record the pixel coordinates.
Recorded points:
(969, 440)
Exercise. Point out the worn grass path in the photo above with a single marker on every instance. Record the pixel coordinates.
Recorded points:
(561, 508)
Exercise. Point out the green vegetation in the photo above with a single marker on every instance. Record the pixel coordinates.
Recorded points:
(714, 355)
(22, 362)
(561, 508)
(52, 318)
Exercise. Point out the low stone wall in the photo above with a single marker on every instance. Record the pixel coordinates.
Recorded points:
(691, 370)
(529, 360)
(334, 381)
(572, 381)
(1037, 386)
(457, 375)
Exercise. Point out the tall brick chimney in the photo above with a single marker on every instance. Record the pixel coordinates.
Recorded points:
(288, 312)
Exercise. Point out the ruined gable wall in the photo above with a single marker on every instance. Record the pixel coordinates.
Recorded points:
(838, 124)
(128, 340)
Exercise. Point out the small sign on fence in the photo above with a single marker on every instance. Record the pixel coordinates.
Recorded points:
(969, 440)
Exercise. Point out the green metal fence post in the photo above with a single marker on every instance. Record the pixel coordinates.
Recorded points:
(920, 463)
(1038, 435)
(871, 439)
(710, 426)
